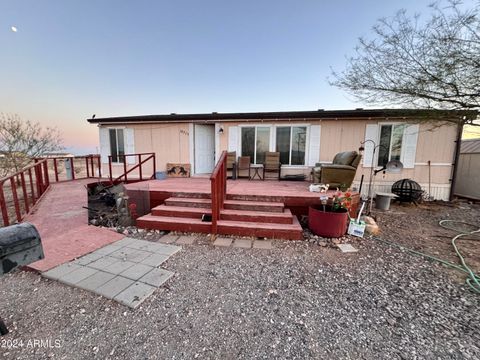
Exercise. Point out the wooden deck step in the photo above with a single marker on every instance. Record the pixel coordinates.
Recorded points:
(284, 217)
(180, 211)
(173, 224)
(265, 206)
(188, 202)
(271, 231)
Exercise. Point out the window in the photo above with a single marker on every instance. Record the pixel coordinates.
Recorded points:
(117, 145)
(390, 143)
(255, 143)
(291, 143)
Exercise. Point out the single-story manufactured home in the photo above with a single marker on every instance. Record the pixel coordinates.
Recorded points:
(425, 141)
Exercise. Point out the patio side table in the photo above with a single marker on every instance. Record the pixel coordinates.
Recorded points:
(256, 171)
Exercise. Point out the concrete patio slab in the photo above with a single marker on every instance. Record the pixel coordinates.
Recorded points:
(222, 241)
(119, 267)
(262, 244)
(114, 287)
(135, 294)
(87, 259)
(155, 260)
(166, 249)
(168, 239)
(95, 281)
(242, 243)
(347, 248)
(137, 271)
(156, 277)
(103, 262)
(185, 240)
(61, 270)
(77, 275)
(111, 271)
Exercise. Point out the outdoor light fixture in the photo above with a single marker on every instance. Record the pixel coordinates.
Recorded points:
(393, 166)
(220, 130)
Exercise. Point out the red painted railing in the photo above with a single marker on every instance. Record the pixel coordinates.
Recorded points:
(218, 182)
(20, 192)
(140, 162)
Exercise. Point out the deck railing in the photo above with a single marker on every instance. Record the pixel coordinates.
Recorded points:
(140, 162)
(20, 192)
(218, 182)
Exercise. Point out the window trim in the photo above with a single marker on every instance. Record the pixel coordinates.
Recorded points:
(379, 132)
(116, 128)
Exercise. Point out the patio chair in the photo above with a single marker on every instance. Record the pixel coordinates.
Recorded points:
(232, 164)
(243, 165)
(272, 164)
(340, 173)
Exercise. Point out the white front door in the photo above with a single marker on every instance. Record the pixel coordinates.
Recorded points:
(204, 148)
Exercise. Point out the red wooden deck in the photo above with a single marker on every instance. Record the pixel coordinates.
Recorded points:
(63, 225)
(294, 194)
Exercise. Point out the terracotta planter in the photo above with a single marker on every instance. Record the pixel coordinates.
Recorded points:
(327, 223)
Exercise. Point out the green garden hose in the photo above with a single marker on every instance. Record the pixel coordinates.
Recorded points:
(473, 280)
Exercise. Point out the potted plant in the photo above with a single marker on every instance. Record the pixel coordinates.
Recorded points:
(330, 220)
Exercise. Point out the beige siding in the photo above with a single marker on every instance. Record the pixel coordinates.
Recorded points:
(468, 176)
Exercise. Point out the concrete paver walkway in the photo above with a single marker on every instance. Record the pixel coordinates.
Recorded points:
(126, 271)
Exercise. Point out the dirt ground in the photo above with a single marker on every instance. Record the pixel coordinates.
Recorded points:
(297, 301)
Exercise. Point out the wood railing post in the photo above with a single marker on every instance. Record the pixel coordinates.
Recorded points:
(24, 190)
(154, 166)
(99, 159)
(15, 198)
(38, 179)
(55, 168)
(47, 178)
(73, 168)
(140, 167)
(214, 205)
(32, 189)
(87, 166)
(125, 167)
(110, 167)
(3, 206)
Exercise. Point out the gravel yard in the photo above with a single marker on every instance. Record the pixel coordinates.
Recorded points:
(297, 301)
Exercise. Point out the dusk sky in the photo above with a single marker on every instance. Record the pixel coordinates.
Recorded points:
(71, 59)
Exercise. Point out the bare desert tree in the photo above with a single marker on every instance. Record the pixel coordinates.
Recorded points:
(420, 63)
(21, 140)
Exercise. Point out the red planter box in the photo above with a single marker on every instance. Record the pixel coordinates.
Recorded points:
(327, 223)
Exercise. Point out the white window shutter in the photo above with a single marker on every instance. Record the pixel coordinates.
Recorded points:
(232, 138)
(371, 133)
(104, 144)
(314, 145)
(130, 145)
(409, 146)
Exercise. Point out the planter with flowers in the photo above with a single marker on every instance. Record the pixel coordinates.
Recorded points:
(330, 220)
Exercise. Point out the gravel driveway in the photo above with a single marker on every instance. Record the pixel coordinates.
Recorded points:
(297, 301)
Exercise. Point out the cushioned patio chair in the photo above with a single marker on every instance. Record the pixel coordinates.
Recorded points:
(243, 167)
(272, 165)
(232, 164)
(340, 173)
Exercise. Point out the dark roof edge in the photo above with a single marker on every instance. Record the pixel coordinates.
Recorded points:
(317, 114)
